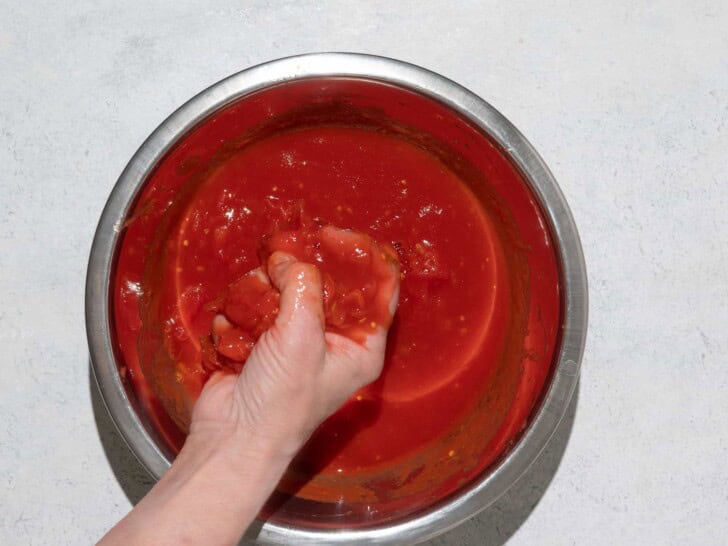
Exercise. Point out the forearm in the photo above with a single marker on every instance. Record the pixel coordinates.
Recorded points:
(212, 493)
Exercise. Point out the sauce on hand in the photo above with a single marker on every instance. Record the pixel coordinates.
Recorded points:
(467, 354)
(356, 272)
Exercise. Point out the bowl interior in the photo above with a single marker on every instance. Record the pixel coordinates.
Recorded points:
(501, 379)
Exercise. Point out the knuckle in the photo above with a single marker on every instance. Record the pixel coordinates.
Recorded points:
(365, 374)
(305, 272)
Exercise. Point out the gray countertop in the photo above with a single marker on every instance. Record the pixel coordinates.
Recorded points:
(628, 106)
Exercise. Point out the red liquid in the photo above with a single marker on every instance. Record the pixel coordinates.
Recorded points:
(459, 381)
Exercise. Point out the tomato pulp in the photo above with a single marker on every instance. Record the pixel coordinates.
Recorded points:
(358, 279)
(466, 360)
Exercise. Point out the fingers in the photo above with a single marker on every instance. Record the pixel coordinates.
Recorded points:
(378, 261)
(351, 365)
(219, 377)
(259, 274)
(391, 289)
(301, 293)
(348, 244)
(348, 365)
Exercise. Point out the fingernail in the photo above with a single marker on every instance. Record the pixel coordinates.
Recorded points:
(280, 259)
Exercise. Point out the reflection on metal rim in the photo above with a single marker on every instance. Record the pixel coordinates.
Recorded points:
(482, 493)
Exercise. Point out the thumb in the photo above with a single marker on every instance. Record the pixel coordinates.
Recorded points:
(301, 304)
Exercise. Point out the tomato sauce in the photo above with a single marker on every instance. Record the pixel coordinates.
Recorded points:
(468, 351)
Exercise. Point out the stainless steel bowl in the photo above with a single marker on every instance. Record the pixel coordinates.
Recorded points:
(121, 404)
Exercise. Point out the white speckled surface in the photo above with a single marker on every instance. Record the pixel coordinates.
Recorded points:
(629, 107)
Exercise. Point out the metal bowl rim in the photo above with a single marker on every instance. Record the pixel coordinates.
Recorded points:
(479, 495)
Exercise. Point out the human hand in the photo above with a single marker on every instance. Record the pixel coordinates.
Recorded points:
(297, 374)
(246, 429)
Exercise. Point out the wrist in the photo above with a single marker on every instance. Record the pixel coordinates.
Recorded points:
(267, 429)
(239, 455)
(215, 488)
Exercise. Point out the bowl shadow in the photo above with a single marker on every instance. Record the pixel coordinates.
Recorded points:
(132, 477)
(493, 526)
(496, 524)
